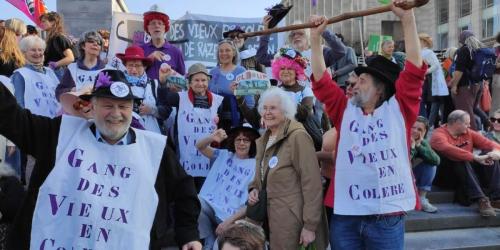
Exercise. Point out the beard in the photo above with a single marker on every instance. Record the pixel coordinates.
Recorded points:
(113, 133)
(360, 99)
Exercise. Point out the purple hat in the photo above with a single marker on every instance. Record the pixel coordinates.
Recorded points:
(464, 35)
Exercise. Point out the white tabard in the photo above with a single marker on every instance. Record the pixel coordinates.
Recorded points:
(82, 77)
(192, 125)
(146, 93)
(373, 173)
(226, 186)
(98, 196)
(40, 91)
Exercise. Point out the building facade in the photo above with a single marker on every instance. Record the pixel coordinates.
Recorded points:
(442, 19)
(84, 15)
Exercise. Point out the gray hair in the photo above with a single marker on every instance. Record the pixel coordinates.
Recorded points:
(30, 41)
(307, 34)
(473, 44)
(288, 106)
(384, 42)
(450, 52)
(457, 116)
(233, 47)
(89, 35)
(17, 25)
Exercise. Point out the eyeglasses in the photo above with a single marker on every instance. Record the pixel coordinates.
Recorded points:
(242, 140)
(93, 41)
(234, 36)
(495, 120)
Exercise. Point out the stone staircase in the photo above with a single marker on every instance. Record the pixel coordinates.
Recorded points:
(452, 227)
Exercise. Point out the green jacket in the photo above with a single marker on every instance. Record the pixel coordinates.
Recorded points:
(426, 153)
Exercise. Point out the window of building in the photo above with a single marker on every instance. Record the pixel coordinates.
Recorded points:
(464, 7)
(488, 3)
(442, 11)
(488, 27)
(460, 29)
(443, 40)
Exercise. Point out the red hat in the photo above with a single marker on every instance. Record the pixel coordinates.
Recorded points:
(153, 14)
(135, 53)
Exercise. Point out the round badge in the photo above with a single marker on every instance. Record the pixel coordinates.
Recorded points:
(273, 162)
(119, 89)
(167, 57)
(230, 76)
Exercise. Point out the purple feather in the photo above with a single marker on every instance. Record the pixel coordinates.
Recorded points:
(314, 2)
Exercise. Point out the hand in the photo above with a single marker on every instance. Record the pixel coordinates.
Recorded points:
(253, 197)
(398, 11)
(219, 135)
(483, 159)
(145, 109)
(157, 55)
(412, 142)
(454, 90)
(494, 155)
(53, 65)
(306, 237)
(164, 72)
(320, 22)
(266, 20)
(11, 150)
(174, 88)
(223, 226)
(193, 245)
(233, 86)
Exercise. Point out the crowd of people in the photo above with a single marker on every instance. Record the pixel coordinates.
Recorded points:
(104, 155)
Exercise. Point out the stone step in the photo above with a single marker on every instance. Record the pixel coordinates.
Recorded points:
(464, 239)
(440, 196)
(449, 216)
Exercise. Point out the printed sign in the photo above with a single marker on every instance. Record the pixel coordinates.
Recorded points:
(251, 82)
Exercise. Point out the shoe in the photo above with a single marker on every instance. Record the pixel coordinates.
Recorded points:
(495, 204)
(427, 206)
(485, 208)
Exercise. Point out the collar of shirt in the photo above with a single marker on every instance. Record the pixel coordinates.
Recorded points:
(126, 139)
(165, 45)
(37, 69)
(99, 65)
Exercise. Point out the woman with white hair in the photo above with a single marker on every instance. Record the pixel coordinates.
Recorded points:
(84, 71)
(35, 84)
(288, 167)
(439, 89)
(223, 75)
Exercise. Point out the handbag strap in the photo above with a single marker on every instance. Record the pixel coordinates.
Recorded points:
(275, 152)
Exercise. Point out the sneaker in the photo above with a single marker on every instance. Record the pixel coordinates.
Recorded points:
(427, 206)
(496, 205)
(485, 208)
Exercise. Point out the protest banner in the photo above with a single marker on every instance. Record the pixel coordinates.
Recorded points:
(196, 35)
(251, 82)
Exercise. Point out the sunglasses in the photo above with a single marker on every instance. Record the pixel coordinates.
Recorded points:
(495, 120)
(93, 41)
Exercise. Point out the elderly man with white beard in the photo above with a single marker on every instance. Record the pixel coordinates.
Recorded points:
(372, 184)
(98, 184)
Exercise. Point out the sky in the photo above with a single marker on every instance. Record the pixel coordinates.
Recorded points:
(174, 8)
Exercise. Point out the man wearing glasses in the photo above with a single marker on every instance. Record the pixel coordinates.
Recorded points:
(464, 170)
(247, 55)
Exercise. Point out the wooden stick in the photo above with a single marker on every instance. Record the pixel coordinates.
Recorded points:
(344, 16)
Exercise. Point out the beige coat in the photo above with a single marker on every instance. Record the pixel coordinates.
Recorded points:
(294, 191)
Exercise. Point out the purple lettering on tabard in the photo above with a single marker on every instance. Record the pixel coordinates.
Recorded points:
(356, 193)
(75, 158)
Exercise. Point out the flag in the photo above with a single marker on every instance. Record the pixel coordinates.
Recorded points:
(384, 1)
(31, 8)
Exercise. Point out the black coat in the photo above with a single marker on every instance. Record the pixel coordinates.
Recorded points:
(38, 136)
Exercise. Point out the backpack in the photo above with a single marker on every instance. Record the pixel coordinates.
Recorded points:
(483, 65)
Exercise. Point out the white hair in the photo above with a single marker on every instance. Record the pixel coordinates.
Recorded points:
(287, 105)
(307, 34)
(30, 41)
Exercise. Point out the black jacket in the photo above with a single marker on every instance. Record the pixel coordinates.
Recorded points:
(38, 136)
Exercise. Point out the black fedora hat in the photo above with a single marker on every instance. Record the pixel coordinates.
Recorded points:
(383, 69)
(236, 29)
(113, 84)
(243, 128)
(278, 12)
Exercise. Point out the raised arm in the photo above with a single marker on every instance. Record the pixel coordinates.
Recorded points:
(262, 56)
(412, 42)
(335, 50)
(203, 145)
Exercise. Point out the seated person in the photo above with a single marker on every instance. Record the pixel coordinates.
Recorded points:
(494, 133)
(242, 236)
(470, 172)
(225, 191)
(424, 161)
